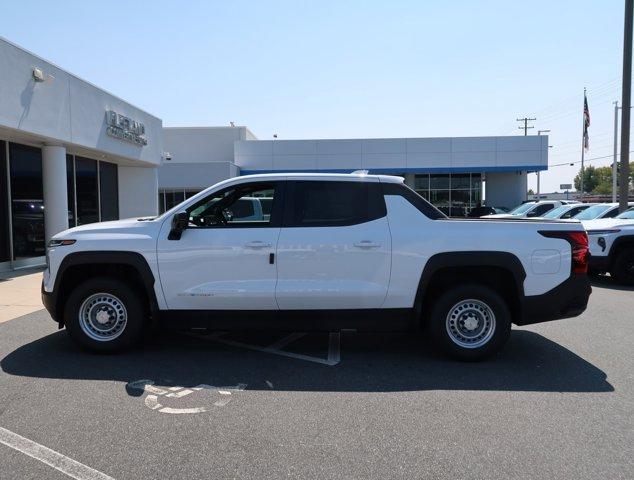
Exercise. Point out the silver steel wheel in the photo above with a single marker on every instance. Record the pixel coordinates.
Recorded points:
(470, 323)
(103, 317)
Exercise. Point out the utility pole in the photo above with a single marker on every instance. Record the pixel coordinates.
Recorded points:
(626, 104)
(615, 161)
(526, 126)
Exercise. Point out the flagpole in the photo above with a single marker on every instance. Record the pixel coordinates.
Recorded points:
(583, 136)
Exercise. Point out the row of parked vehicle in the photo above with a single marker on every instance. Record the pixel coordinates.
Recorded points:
(610, 233)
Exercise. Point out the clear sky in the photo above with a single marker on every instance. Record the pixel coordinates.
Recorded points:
(348, 69)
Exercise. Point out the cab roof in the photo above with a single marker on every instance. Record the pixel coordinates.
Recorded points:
(322, 176)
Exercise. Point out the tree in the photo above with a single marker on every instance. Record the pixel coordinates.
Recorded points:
(598, 180)
(590, 180)
(530, 192)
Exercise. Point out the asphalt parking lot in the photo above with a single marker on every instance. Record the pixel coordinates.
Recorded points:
(558, 402)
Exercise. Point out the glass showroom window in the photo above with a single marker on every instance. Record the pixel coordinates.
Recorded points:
(86, 190)
(170, 198)
(454, 194)
(5, 238)
(27, 204)
(108, 191)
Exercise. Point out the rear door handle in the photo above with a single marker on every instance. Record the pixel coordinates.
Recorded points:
(257, 244)
(366, 244)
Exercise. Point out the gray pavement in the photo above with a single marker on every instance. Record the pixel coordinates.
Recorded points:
(556, 403)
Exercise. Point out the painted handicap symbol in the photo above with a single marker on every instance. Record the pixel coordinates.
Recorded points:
(220, 396)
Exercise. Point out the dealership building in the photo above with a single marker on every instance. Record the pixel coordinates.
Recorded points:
(72, 153)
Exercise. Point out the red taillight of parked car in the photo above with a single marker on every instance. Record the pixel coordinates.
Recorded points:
(579, 244)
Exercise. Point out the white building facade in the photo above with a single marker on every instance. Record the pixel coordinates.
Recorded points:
(450, 172)
(70, 154)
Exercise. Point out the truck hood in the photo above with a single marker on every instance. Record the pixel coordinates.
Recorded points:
(607, 223)
(129, 225)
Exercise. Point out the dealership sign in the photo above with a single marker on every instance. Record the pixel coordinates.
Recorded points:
(124, 128)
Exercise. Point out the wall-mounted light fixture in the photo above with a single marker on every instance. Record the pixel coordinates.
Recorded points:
(40, 77)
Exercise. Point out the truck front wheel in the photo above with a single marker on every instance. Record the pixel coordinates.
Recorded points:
(104, 315)
(623, 267)
(470, 322)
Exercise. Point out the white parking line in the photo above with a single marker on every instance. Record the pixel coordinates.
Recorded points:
(59, 462)
(333, 359)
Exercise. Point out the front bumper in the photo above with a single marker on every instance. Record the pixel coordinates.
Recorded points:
(599, 263)
(566, 300)
(48, 300)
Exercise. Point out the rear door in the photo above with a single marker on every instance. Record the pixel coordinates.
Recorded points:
(334, 250)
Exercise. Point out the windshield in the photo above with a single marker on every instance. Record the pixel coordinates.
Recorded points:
(557, 212)
(629, 214)
(592, 212)
(521, 209)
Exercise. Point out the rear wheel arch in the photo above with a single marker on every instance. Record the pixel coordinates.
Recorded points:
(501, 271)
(128, 267)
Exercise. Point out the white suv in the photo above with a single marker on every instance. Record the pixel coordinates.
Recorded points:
(336, 252)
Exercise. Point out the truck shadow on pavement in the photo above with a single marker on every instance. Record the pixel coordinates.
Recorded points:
(369, 363)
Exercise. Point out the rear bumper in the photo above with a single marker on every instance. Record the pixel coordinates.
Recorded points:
(599, 264)
(568, 299)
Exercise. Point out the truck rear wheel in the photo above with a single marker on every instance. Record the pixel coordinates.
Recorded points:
(623, 267)
(470, 322)
(104, 315)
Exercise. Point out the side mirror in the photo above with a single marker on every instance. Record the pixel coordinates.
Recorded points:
(532, 214)
(180, 222)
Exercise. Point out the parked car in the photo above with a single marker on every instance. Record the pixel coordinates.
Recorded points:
(611, 243)
(482, 210)
(529, 209)
(360, 252)
(600, 210)
(567, 211)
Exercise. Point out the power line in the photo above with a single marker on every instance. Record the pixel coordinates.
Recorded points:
(579, 161)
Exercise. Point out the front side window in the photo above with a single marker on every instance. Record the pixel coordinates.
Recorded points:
(248, 205)
(333, 204)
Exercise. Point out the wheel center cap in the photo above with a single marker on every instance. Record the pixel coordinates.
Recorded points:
(102, 317)
(470, 323)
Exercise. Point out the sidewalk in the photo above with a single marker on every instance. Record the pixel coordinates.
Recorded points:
(19, 293)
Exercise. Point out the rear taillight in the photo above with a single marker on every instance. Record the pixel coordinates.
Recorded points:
(579, 244)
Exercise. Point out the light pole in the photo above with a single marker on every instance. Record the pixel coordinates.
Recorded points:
(614, 161)
(539, 132)
(625, 104)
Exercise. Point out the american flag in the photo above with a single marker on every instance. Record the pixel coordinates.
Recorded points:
(586, 122)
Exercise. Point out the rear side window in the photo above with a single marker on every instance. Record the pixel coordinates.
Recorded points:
(414, 198)
(612, 213)
(541, 209)
(332, 204)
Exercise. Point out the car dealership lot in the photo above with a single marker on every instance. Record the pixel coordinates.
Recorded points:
(557, 402)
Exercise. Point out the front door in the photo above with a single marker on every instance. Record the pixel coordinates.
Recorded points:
(334, 250)
(224, 259)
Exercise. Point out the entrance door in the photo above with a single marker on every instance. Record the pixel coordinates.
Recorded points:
(334, 250)
(223, 260)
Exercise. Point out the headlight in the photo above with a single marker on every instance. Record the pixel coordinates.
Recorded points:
(59, 243)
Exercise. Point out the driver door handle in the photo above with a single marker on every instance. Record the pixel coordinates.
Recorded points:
(366, 244)
(257, 244)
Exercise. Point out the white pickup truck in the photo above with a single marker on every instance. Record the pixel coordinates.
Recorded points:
(337, 251)
(611, 242)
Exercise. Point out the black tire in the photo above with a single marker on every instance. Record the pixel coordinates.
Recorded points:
(133, 311)
(492, 339)
(623, 267)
